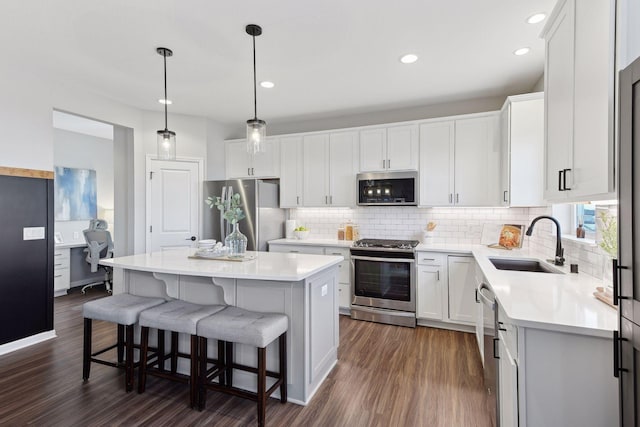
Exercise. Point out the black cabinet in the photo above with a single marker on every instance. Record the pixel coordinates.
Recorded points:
(626, 287)
(26, 266)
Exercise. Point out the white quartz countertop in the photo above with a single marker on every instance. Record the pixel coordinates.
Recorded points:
(560, 302)
(289, 267)
(313, 242)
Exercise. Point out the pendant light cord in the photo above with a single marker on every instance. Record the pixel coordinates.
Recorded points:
(164, 55)
(255, 93)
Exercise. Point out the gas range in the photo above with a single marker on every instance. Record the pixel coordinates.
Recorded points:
(386, 244)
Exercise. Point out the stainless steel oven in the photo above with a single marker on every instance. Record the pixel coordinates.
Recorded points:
(384, 281)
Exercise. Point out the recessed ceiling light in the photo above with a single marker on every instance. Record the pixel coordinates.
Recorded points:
(165, 101)
(535, 18)
(521, 51)
(409, 58)
(267, 85)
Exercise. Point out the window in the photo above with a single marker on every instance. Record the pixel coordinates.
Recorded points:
(585, 215)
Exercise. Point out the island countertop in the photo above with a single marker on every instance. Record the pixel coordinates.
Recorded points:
(265, 266)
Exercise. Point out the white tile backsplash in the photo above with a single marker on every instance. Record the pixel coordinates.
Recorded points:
(454, 225)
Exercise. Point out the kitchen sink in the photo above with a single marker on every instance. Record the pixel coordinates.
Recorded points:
(518, 264)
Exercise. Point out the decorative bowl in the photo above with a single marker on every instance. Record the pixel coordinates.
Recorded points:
(301, 235)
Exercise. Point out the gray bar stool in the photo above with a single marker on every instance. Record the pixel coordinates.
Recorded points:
(236, 325)
(122, 309)
(179, 317)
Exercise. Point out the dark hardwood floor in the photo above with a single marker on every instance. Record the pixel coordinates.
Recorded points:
(385, 376)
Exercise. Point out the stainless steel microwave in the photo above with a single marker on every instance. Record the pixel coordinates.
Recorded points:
(388, 189)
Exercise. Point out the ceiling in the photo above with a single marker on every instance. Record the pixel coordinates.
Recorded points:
(327, 58)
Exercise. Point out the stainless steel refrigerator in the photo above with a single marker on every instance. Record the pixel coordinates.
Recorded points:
(261, 204)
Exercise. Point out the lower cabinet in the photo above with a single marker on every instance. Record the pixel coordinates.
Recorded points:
(344, 273)
(553, 378)
(430, 285)
(461, 275)
(61, 271)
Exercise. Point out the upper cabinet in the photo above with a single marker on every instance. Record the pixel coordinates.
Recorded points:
(522, 137)
(391, 148)
(291, 176)
(241, 164)
(329, 169)
(460, 161)
(579, 89)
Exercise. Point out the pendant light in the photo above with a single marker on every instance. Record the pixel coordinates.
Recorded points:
(166, 138)
(256, 128)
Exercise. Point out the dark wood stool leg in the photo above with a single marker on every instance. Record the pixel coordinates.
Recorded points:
(282, 341)
(121, 343)
(144, 348)
(161, 354)
(128, 369)
(202, 373)
(193, 372)
(86, 350)
(174, 352)
(228, 364)
(221, 361)
(262, 380)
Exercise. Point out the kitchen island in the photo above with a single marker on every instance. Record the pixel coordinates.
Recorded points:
(304, 287)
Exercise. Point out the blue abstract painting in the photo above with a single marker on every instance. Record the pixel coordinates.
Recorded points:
(75, 194)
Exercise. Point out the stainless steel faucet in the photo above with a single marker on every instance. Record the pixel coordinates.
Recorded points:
(559, 259)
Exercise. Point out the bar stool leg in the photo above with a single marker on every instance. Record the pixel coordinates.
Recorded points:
(144, 348)
(193, 372)
(221, 362)
(86, 352)
(282, 341)
(174, 352)
(161, 354)
(121, 343)
(202, 373)
(228, 364)
(262, 385)
(129, 358)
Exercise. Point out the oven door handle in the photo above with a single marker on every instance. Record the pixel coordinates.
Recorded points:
(380, 259)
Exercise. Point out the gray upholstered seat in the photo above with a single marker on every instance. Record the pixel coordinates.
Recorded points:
(122, 309)
(177, 316)
(237, 325)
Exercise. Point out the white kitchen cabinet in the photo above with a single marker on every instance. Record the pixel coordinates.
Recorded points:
(461, 278)
(344, 272)
(460, 161)
(579, 89)
(554, 378)
(431, 279)
(391, 148)
(241, 164)
(329, 169)
(291, 175)
(61, 271)
(522, 162)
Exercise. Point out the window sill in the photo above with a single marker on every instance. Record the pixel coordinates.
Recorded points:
(586, 242)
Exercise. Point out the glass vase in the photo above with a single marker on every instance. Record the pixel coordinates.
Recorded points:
(236, 242)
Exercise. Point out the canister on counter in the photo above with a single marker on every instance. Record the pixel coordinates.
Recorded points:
(348, 232)
(355, 233)
(340, 233)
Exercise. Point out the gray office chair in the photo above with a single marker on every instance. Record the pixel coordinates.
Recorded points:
(99, 246)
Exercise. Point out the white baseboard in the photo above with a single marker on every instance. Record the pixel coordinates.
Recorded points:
(26, 342)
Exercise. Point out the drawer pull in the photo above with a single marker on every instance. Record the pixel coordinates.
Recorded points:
(428, 259)
(58, 275)
(294, 252)
(58, 254)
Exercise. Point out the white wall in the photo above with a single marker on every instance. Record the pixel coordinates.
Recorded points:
(628, 32)
(75, 150)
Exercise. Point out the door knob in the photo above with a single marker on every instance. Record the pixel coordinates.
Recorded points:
(192, 238)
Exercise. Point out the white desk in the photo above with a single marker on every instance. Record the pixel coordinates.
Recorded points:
(70, 268)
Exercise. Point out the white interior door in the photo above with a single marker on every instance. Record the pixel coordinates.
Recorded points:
(173, 203)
